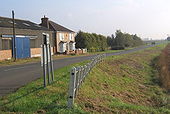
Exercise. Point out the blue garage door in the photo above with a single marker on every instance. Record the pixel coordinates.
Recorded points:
(22, 47)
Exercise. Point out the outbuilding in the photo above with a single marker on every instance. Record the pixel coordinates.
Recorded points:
(29, 37)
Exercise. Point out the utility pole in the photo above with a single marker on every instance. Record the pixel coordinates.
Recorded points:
(13, 40)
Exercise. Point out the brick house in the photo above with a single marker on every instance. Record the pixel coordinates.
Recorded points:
(64, 38)
(29, 38)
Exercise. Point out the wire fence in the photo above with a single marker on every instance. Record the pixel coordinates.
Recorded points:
(77, 76)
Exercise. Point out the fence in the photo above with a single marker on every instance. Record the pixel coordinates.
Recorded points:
(77, 76)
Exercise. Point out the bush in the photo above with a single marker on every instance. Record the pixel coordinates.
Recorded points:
(118, 48)
(153, 43)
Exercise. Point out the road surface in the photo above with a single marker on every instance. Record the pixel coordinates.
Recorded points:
(16, 76)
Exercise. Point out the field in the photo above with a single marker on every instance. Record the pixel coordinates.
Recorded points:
(122, 84)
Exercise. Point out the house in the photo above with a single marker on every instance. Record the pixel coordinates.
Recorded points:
(29, 37)
(64, 38)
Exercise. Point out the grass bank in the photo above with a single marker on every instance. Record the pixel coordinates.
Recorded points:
(125, 83)
(164, 67)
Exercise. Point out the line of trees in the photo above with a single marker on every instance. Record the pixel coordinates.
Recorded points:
(91, 41)
(96, 42)
(123, 40)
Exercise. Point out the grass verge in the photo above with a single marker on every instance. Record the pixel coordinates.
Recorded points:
(33, 98)
(125, 84)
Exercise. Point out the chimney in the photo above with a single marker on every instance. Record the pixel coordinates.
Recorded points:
(44, 22)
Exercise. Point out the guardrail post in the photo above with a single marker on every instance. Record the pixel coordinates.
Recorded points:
(72, 87)
(78, 79)
(88, 68)
(81, 74)
(77, 76)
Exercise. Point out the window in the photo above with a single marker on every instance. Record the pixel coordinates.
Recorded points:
(61, 36)
(70, 36)
(32, 43)
(6, 43)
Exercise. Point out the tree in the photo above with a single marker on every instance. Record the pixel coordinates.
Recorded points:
(123, 40)
(93, 42)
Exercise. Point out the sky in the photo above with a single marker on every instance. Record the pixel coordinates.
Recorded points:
(146, 18)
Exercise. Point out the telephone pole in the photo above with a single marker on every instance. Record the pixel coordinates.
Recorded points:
(13, 40)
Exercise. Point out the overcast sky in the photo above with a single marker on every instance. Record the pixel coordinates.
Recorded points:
(146, 18)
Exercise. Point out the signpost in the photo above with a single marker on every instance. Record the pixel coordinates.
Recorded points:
(46, 60)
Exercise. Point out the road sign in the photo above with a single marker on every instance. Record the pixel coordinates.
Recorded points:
(46, 59)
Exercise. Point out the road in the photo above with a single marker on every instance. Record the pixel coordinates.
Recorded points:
(16, 76)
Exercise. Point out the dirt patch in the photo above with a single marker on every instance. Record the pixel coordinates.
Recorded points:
(137, 99)
(91, 105)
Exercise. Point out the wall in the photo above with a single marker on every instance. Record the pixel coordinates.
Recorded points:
(5, 54)
(80, 51)
(36, 52)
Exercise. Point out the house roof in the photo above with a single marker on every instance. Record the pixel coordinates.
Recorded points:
(57, 27)
(20, 24)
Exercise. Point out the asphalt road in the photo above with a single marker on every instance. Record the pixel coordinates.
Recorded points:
(16, 76)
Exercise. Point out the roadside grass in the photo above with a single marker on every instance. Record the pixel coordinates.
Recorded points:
(19, 61)
(33, 98)
(37, 59)
(125, 84)
(32, 60)
(120, 84)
